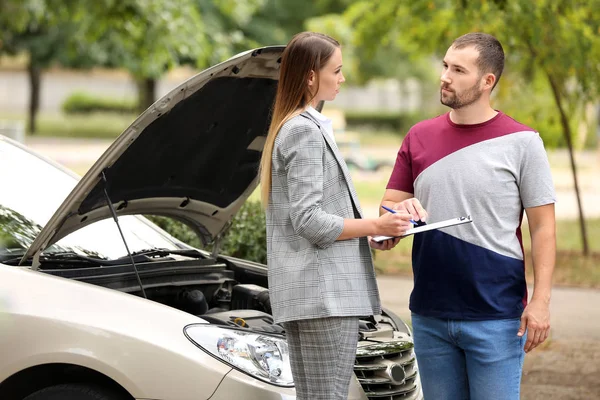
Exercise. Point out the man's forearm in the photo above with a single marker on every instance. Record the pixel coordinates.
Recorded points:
(392, 197)
(543, 254)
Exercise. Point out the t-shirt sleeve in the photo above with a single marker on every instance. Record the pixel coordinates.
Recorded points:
(402, 176)
(535, 185)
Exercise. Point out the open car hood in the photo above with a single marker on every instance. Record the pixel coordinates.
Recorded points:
(192, 156)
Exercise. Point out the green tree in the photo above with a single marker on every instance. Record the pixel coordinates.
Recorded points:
(557, 39)
(276, 21)
(40, 43)
(146, 38)
(167, 33)
(25, 27)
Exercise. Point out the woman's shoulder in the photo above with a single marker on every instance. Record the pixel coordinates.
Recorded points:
(299, 129)
(300, 122)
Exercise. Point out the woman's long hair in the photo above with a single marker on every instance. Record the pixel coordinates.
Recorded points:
(306, 52)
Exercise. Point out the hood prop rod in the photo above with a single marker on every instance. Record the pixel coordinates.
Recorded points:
(114, 215)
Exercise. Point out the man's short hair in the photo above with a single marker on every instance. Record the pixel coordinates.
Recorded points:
(491, 53)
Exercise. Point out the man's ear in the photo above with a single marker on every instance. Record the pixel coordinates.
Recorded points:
(489, 81)
(311, 78)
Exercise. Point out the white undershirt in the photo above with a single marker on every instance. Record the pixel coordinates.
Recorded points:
(325, 122)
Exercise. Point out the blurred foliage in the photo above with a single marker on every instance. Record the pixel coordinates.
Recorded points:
(143, 37)
(556, 41)
(278, 20)
(534, 107)
(548, 42)
(177, 229)
(147, 38)
(560, 40)
(246, 238)
(85, 103)
(363, 62)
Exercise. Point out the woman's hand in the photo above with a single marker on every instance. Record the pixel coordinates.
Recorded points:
(393, 224)
(385, 245)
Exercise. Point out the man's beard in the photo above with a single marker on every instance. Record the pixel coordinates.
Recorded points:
(466, 98)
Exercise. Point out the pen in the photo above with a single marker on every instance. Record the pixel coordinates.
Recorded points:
(394, 212)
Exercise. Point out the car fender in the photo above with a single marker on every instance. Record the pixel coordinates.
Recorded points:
(138, 343)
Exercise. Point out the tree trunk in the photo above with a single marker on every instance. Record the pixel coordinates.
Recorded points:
(35, 74)
(567, 133)
(146, 93)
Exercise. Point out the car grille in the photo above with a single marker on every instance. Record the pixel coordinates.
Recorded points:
(387, 370)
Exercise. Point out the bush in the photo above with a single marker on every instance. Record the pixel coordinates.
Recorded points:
(83, 103)
(177, 229)
(383, 120)
(246, 238)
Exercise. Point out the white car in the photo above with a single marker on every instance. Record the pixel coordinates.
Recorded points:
(97, 302)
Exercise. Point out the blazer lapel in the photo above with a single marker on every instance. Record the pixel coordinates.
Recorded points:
(340, 160)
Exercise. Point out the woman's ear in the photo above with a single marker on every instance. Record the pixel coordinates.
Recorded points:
(311, 78)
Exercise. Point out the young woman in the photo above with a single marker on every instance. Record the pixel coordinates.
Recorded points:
(321, 276)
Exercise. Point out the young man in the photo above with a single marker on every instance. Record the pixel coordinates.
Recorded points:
(472, 323)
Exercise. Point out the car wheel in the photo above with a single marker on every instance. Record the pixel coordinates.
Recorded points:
(75, 391)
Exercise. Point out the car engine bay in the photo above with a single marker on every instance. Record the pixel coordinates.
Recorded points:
(233, 293)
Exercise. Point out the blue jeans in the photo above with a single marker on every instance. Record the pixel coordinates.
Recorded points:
(476, 360)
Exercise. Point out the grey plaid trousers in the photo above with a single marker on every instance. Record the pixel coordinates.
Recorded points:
(322, 354)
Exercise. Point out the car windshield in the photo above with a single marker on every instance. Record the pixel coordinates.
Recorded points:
(32, 190)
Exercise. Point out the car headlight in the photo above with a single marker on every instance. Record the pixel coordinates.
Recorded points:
(262, 356)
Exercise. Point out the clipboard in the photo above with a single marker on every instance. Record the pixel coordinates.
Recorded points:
(428, 227)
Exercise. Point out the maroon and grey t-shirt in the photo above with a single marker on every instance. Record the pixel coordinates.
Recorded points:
(491, 171)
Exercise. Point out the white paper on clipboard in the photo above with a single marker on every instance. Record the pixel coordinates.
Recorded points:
(428, 227)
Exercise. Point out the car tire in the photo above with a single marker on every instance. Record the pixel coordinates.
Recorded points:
(75, 391)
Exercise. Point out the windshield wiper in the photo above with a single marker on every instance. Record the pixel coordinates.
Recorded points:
(161, 252)
(78, 260)
(58, 258)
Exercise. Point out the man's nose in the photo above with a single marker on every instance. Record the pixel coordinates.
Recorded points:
(444, 78)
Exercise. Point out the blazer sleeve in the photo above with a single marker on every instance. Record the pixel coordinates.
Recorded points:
(301, 148)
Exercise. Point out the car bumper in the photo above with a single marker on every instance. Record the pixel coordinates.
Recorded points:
(239, 385)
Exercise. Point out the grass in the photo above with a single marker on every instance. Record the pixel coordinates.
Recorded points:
(94, 125)
(370, 191)
(572, 268)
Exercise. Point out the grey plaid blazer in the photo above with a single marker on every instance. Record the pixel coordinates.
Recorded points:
(310, 274)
